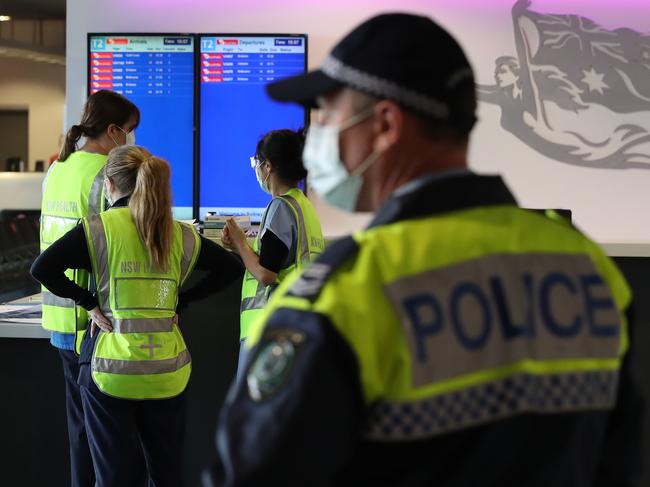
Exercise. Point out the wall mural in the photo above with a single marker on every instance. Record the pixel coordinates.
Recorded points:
(575, 92)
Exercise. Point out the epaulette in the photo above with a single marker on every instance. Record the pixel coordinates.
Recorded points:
(311, 281)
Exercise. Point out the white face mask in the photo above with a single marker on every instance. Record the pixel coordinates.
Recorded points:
(264, 183)
(326, 172)
(130, 137)
(107, 195)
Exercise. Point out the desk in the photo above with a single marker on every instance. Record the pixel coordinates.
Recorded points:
(21, 327)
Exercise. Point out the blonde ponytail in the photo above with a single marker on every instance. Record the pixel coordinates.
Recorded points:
(146, 178)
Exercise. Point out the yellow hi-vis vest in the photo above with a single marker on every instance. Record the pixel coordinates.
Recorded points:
(468, 317)
(310, 244)
(72, 190)
(145, 356)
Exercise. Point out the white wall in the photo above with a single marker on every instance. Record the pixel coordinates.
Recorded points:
(39, 88)
(610, 205)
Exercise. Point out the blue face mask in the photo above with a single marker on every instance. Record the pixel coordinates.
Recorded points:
(326, 171)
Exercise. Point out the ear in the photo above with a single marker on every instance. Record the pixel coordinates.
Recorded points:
(270, 165)
(110, 186)
(112, 130)
(388, 125)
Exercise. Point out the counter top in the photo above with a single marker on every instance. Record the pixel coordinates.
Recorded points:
(12, 325)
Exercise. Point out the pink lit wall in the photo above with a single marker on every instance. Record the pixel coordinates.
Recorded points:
(609, 204)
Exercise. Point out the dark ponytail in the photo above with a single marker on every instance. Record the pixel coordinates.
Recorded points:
(284, 149)
(70, 143)
(102, 109)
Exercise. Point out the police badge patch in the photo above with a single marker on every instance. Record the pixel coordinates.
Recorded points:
(273, 364)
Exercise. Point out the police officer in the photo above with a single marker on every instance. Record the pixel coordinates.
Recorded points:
(73, 189)
(134, 372)
(459, 339)
(290, 235)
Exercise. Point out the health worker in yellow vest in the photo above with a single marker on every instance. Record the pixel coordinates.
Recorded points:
(134, 365)
(73, 189)
(459, 340)
(290, 235)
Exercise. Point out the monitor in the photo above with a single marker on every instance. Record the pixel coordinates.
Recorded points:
(235, 112)
(156, 72)
(19, 247)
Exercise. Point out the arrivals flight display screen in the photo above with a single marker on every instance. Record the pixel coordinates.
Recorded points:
(235, 112)
(156, 72)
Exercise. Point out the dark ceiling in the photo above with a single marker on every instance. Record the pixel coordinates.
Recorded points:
(44, 9)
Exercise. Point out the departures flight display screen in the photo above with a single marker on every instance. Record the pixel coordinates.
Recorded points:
(235, 112)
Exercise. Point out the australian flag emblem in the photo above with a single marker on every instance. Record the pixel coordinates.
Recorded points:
(575, 91)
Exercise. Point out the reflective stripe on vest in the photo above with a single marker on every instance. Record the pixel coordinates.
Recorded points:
(493, 401)
(190, 251)
(96, 196)
(50, 299)
(142, 367)
(302, 256)
(72, 190)
(256, 302)
(140, 303)
(100, 258)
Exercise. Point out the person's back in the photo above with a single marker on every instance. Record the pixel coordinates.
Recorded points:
(141, 299)
(72, 190)
(492, 340)
(80, 175)
(290, 235)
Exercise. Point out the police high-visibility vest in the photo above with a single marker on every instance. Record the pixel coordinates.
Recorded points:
(463, 318)
(145, 356)
(72, 190)
(310, 244)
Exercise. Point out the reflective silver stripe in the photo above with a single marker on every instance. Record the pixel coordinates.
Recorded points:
(303, 251)
(98, 236)
(501, 308)
(142, 325)
(494, 401)
(96, 197)
(54, 300)
(141, 367)
(189, 242)
(375, 85)
(256, 302)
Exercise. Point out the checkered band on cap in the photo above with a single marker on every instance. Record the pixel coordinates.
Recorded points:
(377, 86)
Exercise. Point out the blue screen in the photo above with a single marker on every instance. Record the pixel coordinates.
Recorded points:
(157, 74)
(236, 112)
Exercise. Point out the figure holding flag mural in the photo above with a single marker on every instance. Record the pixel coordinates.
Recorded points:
(576, 92)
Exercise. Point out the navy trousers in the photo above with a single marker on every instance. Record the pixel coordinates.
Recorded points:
(81, 463)
(121, 430)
